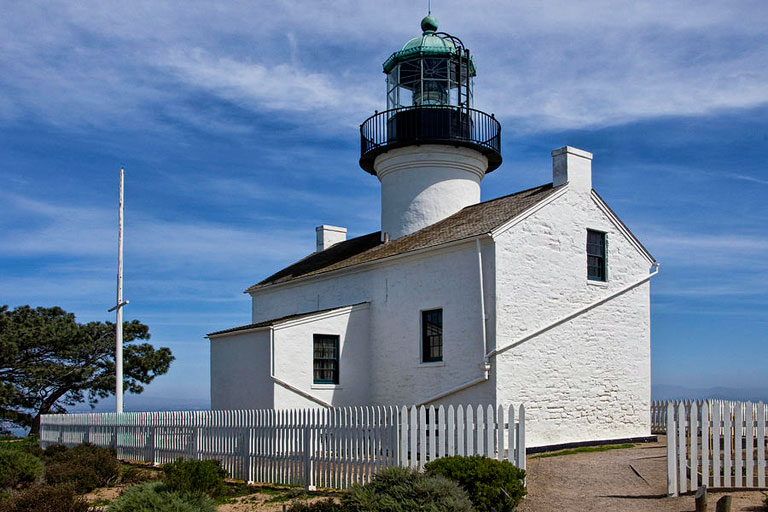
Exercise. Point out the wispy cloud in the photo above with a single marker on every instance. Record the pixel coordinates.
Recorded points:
(545, 66)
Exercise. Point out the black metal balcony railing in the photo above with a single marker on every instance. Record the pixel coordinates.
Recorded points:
(436, 124)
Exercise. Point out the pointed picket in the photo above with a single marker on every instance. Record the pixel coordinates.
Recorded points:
(490, 426)
(681, 448)
(404, 436)
(440, 432)
(413, 432)
(750, 443)
(460, 436)
(470, 431)
(500, 433)
(511, 443)
(451, 448)
(480, 429)
(694, 431)
(422, 448)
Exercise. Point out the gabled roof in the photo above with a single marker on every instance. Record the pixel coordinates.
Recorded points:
(470, 222)
(280, 320)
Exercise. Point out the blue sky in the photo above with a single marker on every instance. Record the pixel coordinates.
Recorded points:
(237, 125)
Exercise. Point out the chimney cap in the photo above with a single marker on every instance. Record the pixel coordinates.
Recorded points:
(573, 151)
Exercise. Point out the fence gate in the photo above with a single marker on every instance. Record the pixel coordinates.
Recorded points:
(311, 447)
(715, 443)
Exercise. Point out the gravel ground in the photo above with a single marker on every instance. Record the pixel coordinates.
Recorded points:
(631, 479)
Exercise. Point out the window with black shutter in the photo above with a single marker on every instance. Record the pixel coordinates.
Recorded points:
(432, 335)
(326, 359)
(595, 255)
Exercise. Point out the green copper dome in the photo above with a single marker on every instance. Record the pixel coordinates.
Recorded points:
(427, 45)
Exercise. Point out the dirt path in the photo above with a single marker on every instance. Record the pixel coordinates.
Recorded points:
(632, 480)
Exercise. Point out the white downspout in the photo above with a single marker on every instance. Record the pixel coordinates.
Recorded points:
(482, 299)
(287, 386)
(495, 352)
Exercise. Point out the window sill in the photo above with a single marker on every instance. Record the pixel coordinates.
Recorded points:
(601, 284)
(326, 386)
(435, 364)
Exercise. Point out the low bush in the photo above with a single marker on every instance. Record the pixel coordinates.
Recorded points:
(204, 476)
(18, 469)
(399, 489)
(156, 497)
(45, 498)
(53, 452)
(130, 475)
(318, 506)
(84, 467)
(492, 485)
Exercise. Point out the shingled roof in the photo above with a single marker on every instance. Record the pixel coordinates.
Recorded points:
(472, 221)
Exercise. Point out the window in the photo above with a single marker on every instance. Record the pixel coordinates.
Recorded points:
(595, 255)
(326, 359)
(432, 335)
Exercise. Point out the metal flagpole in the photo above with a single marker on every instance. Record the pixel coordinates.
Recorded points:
(119, 309)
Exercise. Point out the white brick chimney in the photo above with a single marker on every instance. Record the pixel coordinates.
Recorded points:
(572, 166)
(329, 235)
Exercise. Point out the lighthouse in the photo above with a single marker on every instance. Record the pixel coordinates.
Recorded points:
(429, 149)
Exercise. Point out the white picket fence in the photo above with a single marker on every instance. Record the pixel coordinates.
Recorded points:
(659, 416)
(312, 447)
(715, 443)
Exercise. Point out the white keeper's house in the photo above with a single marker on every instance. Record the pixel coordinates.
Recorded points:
(539, 297)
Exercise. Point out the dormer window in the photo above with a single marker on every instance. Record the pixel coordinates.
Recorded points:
(596, 256)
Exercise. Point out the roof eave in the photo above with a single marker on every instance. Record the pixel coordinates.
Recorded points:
(358, 266)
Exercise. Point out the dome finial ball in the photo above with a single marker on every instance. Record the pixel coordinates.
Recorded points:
(429, 24)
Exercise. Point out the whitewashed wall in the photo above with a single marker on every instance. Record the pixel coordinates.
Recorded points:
(240, 371)
(294, 355)
(587, 379)
(398, 291)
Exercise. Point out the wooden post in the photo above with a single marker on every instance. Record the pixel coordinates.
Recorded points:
(723, 504)
(701, 499)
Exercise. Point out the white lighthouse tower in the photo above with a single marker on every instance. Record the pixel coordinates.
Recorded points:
(430, 149)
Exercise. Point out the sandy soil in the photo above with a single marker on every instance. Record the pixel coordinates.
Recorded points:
(632, 480)
(255, 503)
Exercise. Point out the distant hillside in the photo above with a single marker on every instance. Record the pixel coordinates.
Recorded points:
(665, 392)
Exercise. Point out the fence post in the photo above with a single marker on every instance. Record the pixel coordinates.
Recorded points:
(671, 451)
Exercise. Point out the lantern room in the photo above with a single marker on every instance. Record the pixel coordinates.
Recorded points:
(429, 101)
(434, 69)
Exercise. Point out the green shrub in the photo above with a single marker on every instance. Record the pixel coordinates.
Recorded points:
(318, 506)
(53, 452)
(204, 476)
(399, 489)
(156, 497)
(492, 485)
(130, 475)
(45, 498)
(84, 467)
(18, 469)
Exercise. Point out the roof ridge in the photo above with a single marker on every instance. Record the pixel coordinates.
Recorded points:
(470, 221)
(507, 196)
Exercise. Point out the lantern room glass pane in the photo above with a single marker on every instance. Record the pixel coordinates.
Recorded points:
(429, 81)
